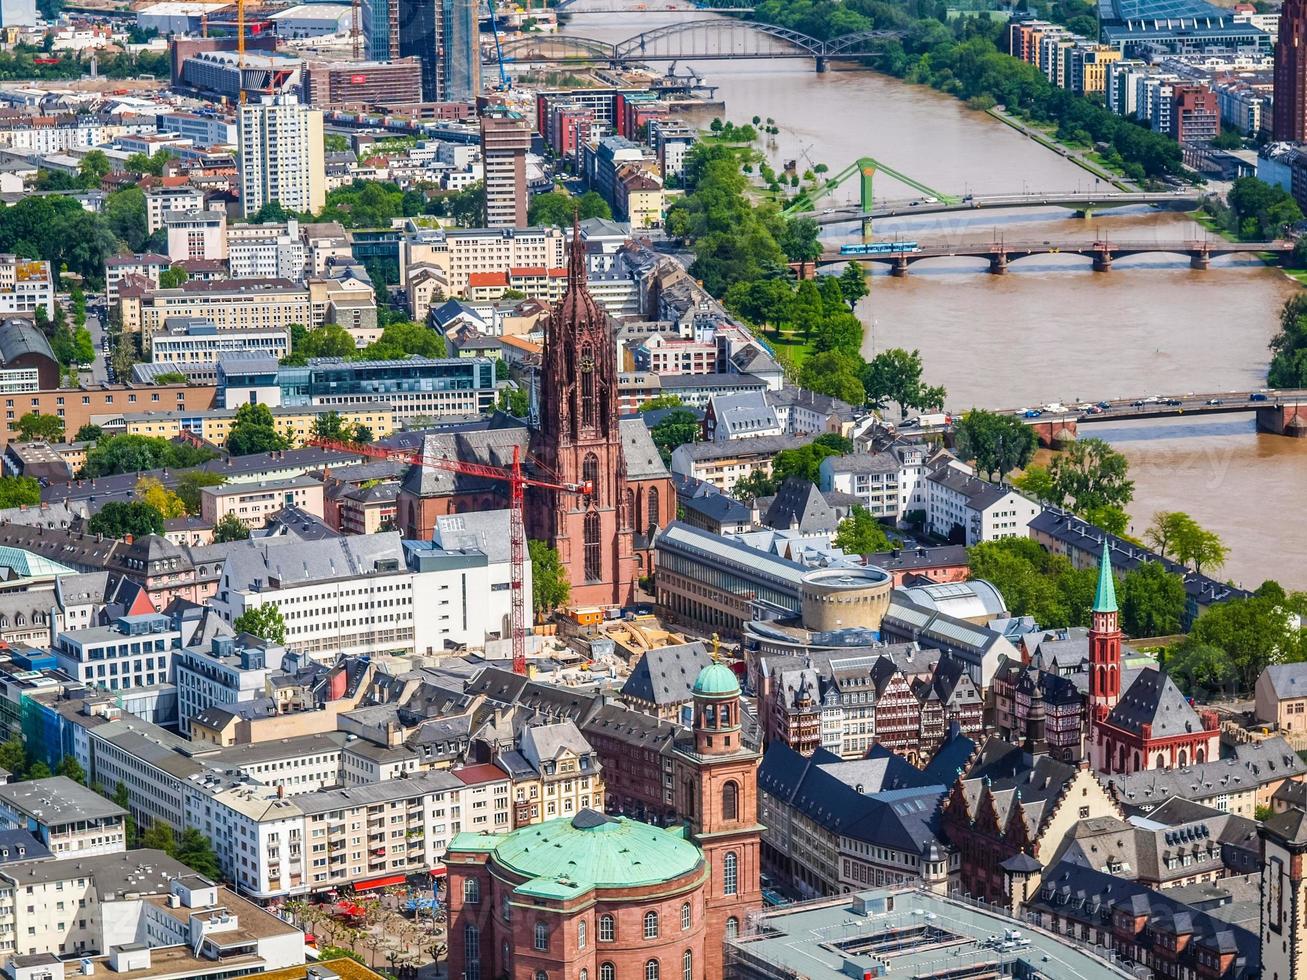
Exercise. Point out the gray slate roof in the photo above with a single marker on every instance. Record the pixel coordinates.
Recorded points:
(1153, 699)
(666, 675)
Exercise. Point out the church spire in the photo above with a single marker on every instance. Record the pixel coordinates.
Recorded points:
(576, 258)
(1105, 597)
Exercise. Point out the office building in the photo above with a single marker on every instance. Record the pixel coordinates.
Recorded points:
(237, 304)
(363, 83)
(266, 251)
(191, 340)
(135, 651)
(64, 815)
(505, 138)
(281, 155)
(161, 200)
(1289, 105)
(455, 255)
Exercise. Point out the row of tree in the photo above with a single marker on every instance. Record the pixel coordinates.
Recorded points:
(399, 339)
(376, 203)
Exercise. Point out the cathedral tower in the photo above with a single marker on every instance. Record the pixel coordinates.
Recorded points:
(579, 440)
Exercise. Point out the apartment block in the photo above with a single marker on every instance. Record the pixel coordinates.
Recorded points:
(245, 304)
(196, 235)
(460, 254)
(25, 285)
(159, 201)
(297, 424)
(254, 503)
(281, 155)
(505, 138)
(65, 816)
(271, 251)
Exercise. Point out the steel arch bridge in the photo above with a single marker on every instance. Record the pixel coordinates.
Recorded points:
(707, 39)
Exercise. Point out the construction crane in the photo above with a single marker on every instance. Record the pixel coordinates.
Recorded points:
(517, 484)
(505, 83)
(355, 32)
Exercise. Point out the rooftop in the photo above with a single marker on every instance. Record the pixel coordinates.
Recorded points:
(57, 800)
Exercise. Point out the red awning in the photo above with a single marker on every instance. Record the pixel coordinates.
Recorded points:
(384, 882)
(438, 871)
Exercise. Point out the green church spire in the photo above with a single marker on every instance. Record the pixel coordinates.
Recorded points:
(1105, 597)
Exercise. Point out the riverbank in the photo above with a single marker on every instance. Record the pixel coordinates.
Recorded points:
(1079, 158)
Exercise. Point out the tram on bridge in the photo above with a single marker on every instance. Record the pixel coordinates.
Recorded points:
(880, 248)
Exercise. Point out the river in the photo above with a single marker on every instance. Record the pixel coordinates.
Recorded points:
(1051, 329)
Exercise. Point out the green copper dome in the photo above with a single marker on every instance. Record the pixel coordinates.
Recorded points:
(1105, 598)
(571, 855)
(716, 681)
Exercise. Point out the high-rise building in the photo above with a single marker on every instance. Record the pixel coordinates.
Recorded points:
(443, 34)
(461, 69)
(282, 155)
(1290, 103)
(505, 138)
(1195, 114)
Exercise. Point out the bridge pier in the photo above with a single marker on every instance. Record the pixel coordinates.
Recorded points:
(1085, 213)
(998, 264)
(900, 267)
(1284, 420)
(1102, 261)
(822, 66)
(1200, 259)
(1055, 434)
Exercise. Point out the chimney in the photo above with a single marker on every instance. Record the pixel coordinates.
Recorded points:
(281, 791)
(129, 538)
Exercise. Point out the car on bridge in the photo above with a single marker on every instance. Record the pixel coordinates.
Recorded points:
(1257, 396)
(1174, 402)
(1215, 401)
(1031, 413)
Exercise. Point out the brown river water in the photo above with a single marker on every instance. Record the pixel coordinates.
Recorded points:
(1051, 329)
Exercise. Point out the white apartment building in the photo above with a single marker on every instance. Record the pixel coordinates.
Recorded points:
(25, 284)
(198, 341)
(372, 594)
(151, 914)
(195, 234)
(887, 483)
(957, 498)
(461, 253)
(67, 817)
(254, 503)
(222, 671)
(266, 251)
(135, 651)
(164, 200)
(119, 267)
(281, 155)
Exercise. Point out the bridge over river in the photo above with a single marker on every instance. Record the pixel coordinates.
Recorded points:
(1001, 254)
(1084, 203)
(1280, 411)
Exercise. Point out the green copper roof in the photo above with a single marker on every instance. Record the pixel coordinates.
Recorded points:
(571, 855)
(1105, 597)
(26, 564)
(716, 680)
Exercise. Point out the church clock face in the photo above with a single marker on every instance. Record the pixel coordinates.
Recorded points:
(587, 363)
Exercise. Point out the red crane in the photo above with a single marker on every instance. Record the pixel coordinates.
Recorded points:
(517, 484)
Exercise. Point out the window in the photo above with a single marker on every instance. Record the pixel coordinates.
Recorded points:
(607, 932)
(607, 971)
(730, 801)
(585, 974)
(651, 970)
(471, 891)
(542, 936)
(580, 934)
(732, 927)
(685, 916)
(687, 965)
(472, 952)
(651, 925)
(541, 975)
(652, 502)
(730, 874)
(593, 560)
(590, 475)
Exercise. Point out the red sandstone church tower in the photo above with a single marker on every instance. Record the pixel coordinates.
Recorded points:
(579, 439)
(718, 799)
(1104, 658)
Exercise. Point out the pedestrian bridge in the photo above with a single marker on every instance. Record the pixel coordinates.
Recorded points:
(1001, 255)
(1085, 204)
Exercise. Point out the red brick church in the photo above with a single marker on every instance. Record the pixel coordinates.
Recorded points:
(1151, 725)
(604, 538)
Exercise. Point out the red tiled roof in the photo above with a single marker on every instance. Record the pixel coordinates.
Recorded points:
(486, 772)
(488, 279)
(529, 270)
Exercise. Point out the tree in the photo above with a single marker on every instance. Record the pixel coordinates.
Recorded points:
(1152, 601)
(556, 208)
(328, 340)
(328, 425)
(254, 431)
(39, 770)
(804, 462)
(159, 836)
(1200, 548)
(118, 518)
(13, 757)
(125, 213)
(121, 797)
(861, 534)
(1090, 474)
(1036, 482)
(70, 767)
(170, 378)
(834, 373)
(229, 527)
(895, 376)
(151, 491)
(190, 485)
(132, 453)
(799, 241)
(88, 433)
(195, 851)
(514, 401)
(403, 339)
(550, 587)
(997, 443)
(1165, 530)
(265, 622)
(1252, 632)
(172, 278)
(677, 428)
(853, 284)
(1200, 669)
(34, 425)
(662, 401)
(94, 168)
(15, 491)
(756, 484)
(1288, 367)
